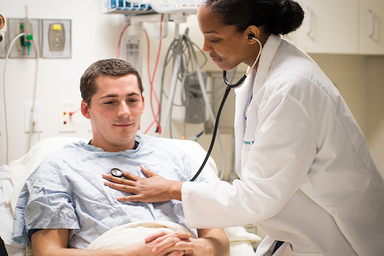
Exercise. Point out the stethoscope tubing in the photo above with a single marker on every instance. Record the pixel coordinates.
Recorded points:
(227, 91)
(233, 85)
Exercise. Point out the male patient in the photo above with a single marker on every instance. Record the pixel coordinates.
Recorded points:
(65, 204)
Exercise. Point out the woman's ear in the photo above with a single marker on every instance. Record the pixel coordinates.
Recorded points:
(251, 33)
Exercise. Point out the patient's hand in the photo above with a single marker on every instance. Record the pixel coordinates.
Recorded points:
(211, 242)
(151, 190)
(177, 242)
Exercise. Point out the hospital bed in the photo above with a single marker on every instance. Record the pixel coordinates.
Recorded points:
(13, 176)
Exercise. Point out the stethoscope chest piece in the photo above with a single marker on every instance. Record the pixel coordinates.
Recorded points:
(116, 172)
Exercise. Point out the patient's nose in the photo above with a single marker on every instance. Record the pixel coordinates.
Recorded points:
(123, 109)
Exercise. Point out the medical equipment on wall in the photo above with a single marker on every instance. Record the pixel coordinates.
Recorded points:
(175, 6)
(27, 39)
(135, 24)
(134, 11)
(3, 26)
(126, 7)
(188, 105)
(3, 36)
(140, 7)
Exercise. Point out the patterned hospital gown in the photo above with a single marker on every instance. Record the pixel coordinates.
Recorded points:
(67, 190)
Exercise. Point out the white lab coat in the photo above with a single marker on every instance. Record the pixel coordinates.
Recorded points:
(307, 175)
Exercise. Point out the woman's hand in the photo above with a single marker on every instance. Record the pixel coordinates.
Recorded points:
(150, 190)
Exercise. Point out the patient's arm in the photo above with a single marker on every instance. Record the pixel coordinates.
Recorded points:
(211, 242)
(55, 241)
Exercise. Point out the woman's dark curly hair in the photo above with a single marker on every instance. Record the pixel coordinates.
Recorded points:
(278, 17)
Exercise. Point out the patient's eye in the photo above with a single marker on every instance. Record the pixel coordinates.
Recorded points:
(132, 100)
(109, 102)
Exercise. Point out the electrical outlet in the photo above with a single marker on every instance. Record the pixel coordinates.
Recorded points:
(17, 26)
(66, 124)
(36, 122)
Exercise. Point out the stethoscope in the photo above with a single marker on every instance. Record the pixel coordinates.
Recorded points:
(116, 172)
(227, 90)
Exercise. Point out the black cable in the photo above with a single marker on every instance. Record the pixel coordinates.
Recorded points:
(3, 251)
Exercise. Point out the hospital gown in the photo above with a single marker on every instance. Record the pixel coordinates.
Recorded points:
(67, 190)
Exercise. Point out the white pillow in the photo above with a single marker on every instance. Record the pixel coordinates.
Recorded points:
(6, 215)
(21, 168)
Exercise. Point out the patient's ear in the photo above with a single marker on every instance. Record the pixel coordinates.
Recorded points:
(85, 110)
(142, 111)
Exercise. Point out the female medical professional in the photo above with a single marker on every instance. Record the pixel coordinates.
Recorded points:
(308, 179)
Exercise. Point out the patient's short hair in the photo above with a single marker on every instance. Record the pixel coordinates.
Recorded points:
(107, 67)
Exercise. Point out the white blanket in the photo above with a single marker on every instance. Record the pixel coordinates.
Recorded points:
(132, 233)
(136, 232)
